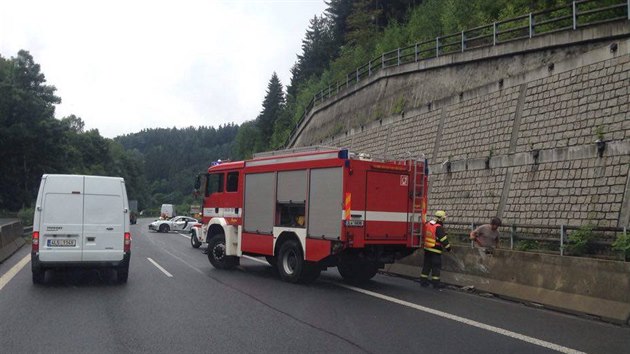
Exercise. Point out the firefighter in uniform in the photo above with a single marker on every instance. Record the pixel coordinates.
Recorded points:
(435, 241)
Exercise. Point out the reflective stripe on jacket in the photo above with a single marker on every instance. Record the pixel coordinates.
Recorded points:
(434, 240)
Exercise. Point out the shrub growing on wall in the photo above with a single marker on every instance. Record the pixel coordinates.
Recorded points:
(622, 244)
(580, 240)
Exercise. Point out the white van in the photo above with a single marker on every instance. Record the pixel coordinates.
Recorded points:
(81, 221)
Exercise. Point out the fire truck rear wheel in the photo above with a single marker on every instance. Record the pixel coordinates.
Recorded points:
(216, 253)
(311, 273)
(194, 242)
(291, 262)
(357, 272)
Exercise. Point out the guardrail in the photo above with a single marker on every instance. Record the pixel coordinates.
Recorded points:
(542, 233)
(574, 15)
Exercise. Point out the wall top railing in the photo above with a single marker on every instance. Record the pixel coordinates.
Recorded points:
(551, 234)
(574, 15)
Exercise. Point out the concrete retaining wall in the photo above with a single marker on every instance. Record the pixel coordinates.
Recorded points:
(577, 285)
(546, 97)
(10, 237)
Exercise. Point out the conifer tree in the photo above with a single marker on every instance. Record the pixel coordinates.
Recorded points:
(273, 106)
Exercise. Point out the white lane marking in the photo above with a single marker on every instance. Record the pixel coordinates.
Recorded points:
(466, 321)
(449, 316)
(160, 268)
(188, 237)
(6, 278)
(256, 260)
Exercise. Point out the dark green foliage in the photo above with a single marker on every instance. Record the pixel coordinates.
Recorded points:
(171, 158)
(29, 133)
(317, 48)
(273, 105)
(33, 142)
(526, 245)
(622, 244)
(580, 240)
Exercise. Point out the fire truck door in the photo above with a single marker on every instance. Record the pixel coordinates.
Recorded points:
(386, 205)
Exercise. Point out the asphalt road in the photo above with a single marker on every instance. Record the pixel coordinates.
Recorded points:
(187, 306)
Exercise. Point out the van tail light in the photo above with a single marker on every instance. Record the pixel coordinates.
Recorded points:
(127, 247)
(35, 243)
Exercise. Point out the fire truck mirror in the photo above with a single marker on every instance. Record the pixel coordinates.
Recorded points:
(197, 183)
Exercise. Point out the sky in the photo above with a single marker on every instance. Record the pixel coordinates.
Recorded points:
(123, 66)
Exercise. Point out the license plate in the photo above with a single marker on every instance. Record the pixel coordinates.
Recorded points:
(61, 242)
(354, 223)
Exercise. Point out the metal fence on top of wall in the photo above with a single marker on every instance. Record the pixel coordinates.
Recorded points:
(548, 239)
(574, 15)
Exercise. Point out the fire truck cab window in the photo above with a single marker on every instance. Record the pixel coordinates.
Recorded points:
(215, 183)
(232, 182)
(291, 214)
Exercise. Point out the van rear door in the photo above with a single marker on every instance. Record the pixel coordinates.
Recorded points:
(104, 219)
(61, 220)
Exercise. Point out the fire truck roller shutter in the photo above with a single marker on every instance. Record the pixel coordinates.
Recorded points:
(259, 202)
(325, 203)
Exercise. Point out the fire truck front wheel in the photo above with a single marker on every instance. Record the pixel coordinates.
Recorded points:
(216, 253)
(194, 242)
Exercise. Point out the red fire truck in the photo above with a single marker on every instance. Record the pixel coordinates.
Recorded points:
(312, 208)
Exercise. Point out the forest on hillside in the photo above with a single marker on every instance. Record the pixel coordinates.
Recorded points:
(173, 157)
(159, 165)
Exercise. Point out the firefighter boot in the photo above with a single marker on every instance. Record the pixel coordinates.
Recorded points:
(435, 282)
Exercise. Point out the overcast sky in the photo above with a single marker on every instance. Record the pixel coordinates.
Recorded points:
(123, 66)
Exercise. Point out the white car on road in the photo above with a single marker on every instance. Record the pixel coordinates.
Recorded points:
(178, 223)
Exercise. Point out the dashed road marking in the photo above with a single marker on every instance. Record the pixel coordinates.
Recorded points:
(6, 278)
(160, 268)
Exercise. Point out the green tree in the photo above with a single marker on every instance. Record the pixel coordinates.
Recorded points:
(363, 23)
(29, 138)
(316, 51)
(273, 107)
(248, 140)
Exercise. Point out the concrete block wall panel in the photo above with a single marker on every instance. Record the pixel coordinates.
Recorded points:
(467, 195)
(566, 109)
(416, 134)
(479, 125)
(373, 141)
(571, 192)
